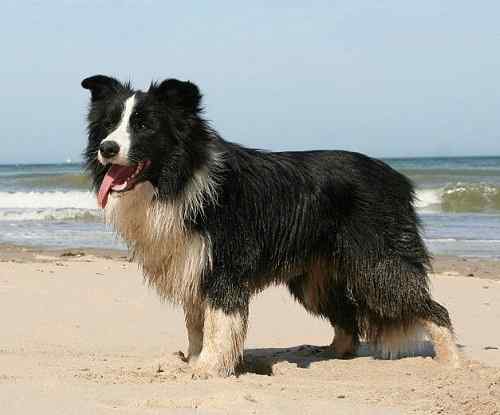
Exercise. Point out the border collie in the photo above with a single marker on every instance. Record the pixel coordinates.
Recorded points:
(212, 223)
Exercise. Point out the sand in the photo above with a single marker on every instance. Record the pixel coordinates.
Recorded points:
(83, 335)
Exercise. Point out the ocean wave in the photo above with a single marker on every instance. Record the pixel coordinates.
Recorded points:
(51, 215)
(460, 197)
(457, 198)
(429, 199)
(54, 200)
(441, 239)
(462, 240)
(471, 198)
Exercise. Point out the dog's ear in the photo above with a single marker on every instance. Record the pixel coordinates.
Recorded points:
(101, 86)
(180, 94)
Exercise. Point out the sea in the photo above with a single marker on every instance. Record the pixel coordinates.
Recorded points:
(50, 205)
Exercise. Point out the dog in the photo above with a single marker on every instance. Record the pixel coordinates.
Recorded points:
(213, 223)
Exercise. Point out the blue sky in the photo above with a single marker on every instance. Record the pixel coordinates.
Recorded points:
(387, 78)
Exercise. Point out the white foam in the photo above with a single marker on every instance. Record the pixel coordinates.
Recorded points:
(56, 200)
(48, 214)
(428, 198)
(441, 239)
(465, 241)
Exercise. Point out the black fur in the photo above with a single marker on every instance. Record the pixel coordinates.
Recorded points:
(337, 219)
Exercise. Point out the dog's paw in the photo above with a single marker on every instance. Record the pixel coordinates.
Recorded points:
(204, 369)
(191, 359)
(204, 372)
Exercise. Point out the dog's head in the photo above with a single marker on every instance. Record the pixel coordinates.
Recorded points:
(135, 136)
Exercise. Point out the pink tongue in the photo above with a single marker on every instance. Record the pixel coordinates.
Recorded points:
(116, 175)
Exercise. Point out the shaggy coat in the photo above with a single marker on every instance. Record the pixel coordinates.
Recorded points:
(212, 223)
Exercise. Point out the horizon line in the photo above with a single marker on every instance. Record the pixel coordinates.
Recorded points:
(382, 158)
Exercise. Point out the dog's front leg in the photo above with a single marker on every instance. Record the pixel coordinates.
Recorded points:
(194, 314)
(223, 339)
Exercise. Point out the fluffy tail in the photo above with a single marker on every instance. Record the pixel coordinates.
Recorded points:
(393, 341)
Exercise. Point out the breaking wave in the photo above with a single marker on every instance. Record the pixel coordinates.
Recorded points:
(51, 215)
(55, 199)
(460, 197)
(48, 206)
(77, 205)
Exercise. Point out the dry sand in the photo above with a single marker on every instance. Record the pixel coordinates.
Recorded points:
(83, 335)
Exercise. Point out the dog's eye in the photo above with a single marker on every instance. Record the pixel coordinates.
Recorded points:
(140, 124)
(109, 124)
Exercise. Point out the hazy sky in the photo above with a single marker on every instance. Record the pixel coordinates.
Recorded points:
(388, 78)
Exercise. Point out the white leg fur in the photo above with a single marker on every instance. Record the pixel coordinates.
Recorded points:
(223, 341)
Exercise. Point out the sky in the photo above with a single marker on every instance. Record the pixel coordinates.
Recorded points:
(387, 78)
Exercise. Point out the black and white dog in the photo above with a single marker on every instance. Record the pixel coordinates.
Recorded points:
(213, 223)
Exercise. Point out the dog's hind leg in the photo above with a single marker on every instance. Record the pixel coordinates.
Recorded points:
(342, 314)
(344, 343)
(194, 314)
(223, 339)
(330, 301)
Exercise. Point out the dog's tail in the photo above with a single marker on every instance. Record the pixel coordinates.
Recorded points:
(396, 310)
(390, 340)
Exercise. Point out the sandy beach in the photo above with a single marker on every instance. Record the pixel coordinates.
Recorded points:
(82, 334)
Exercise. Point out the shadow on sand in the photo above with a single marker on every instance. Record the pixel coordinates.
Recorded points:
(261, 361)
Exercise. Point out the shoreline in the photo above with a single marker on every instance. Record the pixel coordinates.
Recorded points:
(474, 267)
(27, 253)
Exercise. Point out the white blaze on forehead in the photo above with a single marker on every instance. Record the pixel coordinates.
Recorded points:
(121, 134)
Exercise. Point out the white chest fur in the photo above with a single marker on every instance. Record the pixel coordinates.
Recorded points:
(172, 258)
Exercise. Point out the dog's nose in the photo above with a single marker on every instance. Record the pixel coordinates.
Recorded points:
(109, 149)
